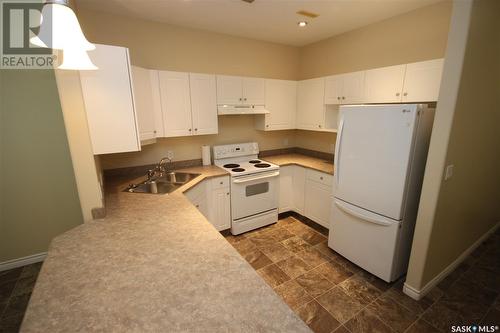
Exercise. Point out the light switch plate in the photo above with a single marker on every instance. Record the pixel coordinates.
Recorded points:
(448, 172)
(170, 154)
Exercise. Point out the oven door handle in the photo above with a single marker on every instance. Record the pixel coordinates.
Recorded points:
(249, 179)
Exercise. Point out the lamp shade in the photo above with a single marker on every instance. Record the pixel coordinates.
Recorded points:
(76, 59)
(59, 29)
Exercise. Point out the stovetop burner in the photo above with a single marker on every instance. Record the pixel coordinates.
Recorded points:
(238, 170)
(231, 165)
(262, 165)
(254, 161)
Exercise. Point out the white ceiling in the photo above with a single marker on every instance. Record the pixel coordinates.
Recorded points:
(268, 20)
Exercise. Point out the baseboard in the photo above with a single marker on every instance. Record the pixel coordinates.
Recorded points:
(14, 263)
(417, 294)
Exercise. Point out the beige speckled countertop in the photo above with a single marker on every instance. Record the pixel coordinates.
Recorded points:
(302, 160)
(156, 264)
(153, 264)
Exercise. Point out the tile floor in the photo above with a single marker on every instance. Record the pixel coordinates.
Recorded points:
(15, 291)
(327, 291)
(333, 295)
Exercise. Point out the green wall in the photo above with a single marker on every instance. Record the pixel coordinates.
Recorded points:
(38, 194)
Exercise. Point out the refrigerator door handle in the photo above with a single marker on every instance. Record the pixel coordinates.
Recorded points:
(338, 150)
(360, 215)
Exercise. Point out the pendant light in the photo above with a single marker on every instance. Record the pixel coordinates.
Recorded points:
(76, 59)
(60, 30)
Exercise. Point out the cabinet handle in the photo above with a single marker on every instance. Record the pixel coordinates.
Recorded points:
(321, 178)
(405, 94)
(221, 183)
(319, 126)
(245, 99)
(154, 132)
(227, 193)
(197, 206)
(196, 129)
(343, 97)
(190, 130)
(267, 125)
(398, 94)
(338, 97)
(241, 99)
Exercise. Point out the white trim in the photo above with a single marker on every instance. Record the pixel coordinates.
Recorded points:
(14, 263)
(419, 294)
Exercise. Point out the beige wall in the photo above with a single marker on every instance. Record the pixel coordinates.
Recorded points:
(415, 36)
(231, 129)
(454, 214)
(39, 198)
(82, 156)
(163, 46)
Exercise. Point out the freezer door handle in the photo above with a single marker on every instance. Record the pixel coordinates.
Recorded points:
(338, 150)
(360, 215)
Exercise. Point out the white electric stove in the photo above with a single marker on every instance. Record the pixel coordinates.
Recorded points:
(254, 186)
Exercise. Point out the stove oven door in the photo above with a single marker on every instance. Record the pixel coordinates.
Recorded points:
(254, 194)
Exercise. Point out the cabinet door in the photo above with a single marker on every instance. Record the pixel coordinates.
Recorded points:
(299, 184)
(333, 89)
(384, 85)
(203, 103)
(229, 90)
(109, 101)
(281, 102)
(311, 104)
(422, 81)
(147, 104)
(221, 209)
(286, 189)
(175, 103)
(353, 88)
(318, 202)
(254, 91)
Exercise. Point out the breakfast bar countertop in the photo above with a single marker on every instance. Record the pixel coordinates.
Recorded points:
(156, 264)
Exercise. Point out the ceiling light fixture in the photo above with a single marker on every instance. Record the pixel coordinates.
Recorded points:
(60, 30)
(302, 24)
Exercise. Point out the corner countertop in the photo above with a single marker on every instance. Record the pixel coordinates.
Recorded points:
(156, 264)
(302, 160)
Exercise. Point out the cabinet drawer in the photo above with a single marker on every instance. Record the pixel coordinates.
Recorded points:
(319, 177)
(220, 182)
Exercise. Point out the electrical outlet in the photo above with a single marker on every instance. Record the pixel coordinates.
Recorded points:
(170, 154)
(448, 172)
(285, 141)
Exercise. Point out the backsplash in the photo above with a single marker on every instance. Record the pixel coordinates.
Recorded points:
(232, 129)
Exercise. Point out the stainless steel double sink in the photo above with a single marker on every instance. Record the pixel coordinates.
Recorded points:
(166, 184)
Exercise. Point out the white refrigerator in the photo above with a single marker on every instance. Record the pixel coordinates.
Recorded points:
(380, 158)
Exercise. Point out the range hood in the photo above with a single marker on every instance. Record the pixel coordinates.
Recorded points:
(226, 109)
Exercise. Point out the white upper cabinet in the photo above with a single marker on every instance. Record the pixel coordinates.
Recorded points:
(235, 90)
(254, 91)
(345, 88)
(384, 85)
(311, 104)
(203, 104)
(422, 81)
(229, 90)
(147, 103)
(175, 103)
(109, 101)
(281, 102)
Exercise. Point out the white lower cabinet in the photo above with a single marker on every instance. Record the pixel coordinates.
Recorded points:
(299, 183)
(286, 189)
(307, 192)
(212, 198)
(318, 192)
